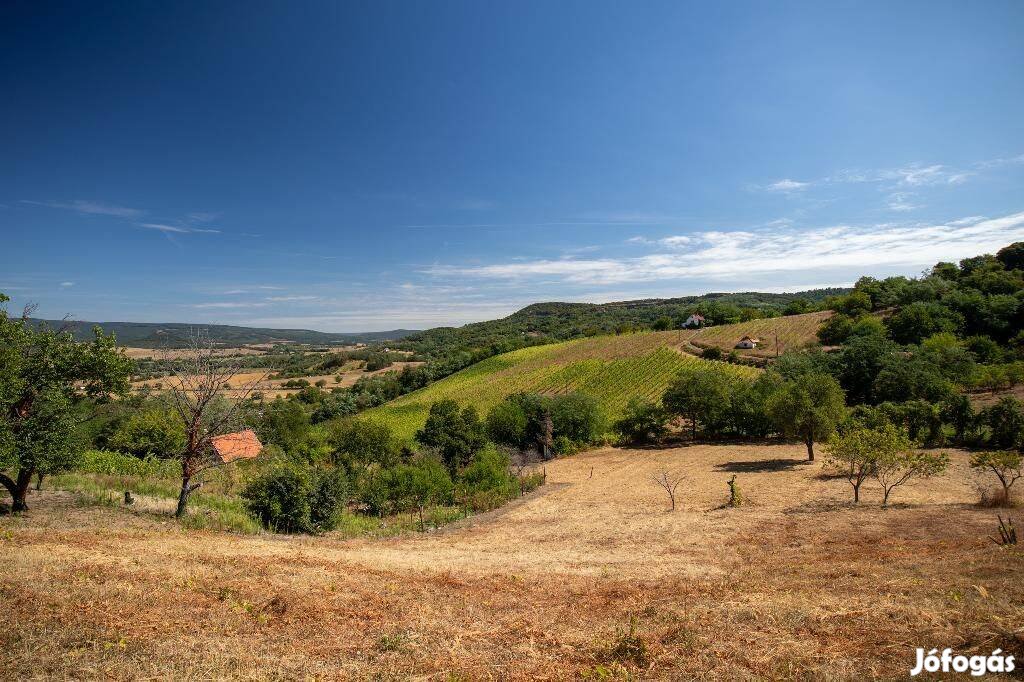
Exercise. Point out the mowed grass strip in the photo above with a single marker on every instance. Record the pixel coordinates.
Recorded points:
(612, 369)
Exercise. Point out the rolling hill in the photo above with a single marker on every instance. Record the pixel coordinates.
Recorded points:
(563, 321)
(176, 334)
(612, 369)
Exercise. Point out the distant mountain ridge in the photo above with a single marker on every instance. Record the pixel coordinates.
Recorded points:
(551, 319)
(176, 334)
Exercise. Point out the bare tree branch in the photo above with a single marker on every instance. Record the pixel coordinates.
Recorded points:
(207, 409)
(669, 482)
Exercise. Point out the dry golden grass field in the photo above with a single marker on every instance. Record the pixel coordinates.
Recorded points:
(796, 584)
(177, 354)
(272, 388)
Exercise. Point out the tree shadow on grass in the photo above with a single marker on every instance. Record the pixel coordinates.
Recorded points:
(760, 466)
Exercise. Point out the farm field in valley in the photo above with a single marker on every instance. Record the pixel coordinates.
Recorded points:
(177, 354)
(612, 369)
(271, 388)
(797, 583)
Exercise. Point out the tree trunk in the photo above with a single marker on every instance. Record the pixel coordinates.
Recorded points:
(18, 488)
(885, 496)
(810, 449)
(188, 471)
(856, 493)
(39, 481)
(186, 490)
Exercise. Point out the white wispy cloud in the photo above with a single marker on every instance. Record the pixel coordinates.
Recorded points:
(787, 185)
(901, 201)
(91, 208)
(66, 285)
(277, 299)
(177, 229)
(202, 216)
(915, 174)
(1004, 161)
(740, 255)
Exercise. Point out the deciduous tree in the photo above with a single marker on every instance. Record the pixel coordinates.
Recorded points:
(44, 374)
(205, 409)
(856, 452)
(809, 408)
(893, 469)
(1007, 465)
(455, 434)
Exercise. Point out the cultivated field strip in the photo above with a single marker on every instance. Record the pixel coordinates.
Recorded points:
(612, 369)
(792, 332)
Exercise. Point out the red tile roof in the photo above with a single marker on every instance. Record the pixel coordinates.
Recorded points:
(241, 445)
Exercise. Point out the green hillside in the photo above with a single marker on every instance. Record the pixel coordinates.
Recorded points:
(178, 334)
(613, 369)
(545, 322)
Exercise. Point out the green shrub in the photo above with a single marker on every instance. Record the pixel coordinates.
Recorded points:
(297, 499)
(507, 423)
(711, 353)
(410, 487)
(564, 446)
(642, 422)
(487, 483)
(151, 431)
(578, 417)
(111, 463)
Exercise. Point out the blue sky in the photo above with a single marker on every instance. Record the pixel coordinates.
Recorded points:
(368, 166)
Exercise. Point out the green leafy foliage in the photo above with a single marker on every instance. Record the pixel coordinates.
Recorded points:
(809, 407)
(1006, 465)
(44, 376)
(642, 422)
(151, 431)
(411, 486)
(455, 434)
(297, 499)
(896, 468)
(855, 452)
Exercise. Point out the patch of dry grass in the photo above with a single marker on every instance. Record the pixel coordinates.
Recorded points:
(797, 584)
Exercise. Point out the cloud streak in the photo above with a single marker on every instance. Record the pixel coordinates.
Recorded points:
(176, 229)
(910, 175)
(741, 255)
(91, 208)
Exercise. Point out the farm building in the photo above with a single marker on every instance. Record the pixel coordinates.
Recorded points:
(235, 446)
(694, 320)
(748, 342)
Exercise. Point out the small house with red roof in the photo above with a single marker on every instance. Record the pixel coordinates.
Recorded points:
(234, 446)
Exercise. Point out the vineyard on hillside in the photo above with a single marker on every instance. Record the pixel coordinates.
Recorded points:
(792, 331)
(612, 369)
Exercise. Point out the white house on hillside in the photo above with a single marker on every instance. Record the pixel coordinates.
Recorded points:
(695, 320)
(748, 342)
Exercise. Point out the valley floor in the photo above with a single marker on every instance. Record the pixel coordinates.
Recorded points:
(797, 583)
